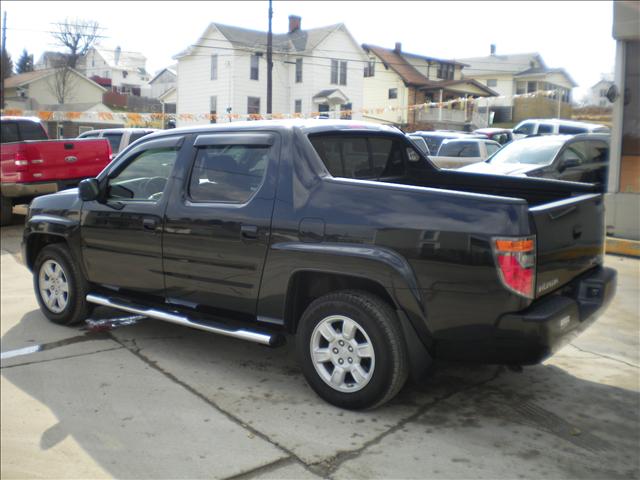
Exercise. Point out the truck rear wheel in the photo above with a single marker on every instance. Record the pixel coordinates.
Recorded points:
(60, 286)
(6, 210)
(351, 350)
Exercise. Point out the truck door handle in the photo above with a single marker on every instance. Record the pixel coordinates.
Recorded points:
(149, 223)
(249, 231)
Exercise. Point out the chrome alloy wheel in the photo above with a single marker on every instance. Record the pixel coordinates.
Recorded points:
(342, 353)
(54, 286)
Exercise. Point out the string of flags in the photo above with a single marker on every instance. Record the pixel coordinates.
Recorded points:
(134, 118)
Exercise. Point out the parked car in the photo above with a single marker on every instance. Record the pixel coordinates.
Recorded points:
(576, 158)
(456, 153)
(500, 135)
(435, 138)
(419, 142)
(31, 164)
(338, 234)
(553, 126)
(119, 138)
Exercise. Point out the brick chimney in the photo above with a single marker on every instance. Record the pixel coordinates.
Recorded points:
(493, 49)
(398, 48)
(294, 23)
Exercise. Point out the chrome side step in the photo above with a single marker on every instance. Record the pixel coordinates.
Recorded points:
(179, 319)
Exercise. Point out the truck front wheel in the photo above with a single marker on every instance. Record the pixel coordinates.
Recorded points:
(351, 350)
(60, 286)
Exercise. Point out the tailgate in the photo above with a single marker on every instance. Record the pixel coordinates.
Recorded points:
(570, 236)
(66, 159)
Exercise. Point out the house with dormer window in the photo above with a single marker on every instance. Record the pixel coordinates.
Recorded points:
(223, 75)
(117, 70)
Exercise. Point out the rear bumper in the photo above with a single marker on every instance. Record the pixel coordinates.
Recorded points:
(534, 334)
(30, 190)
(531, 335)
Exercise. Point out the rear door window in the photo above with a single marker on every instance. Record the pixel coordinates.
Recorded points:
(570, 130)
(9, 132)
(136, 136)
(545, 128)
(459, 149)
(32, 131)
(114, 140)
(228, 173)
(491, 148)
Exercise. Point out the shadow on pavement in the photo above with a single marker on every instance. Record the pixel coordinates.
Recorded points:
(115, 405)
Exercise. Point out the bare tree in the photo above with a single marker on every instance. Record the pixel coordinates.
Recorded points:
(62, 84)
(76, 35)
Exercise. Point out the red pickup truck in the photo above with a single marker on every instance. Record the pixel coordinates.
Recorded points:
(32, 165)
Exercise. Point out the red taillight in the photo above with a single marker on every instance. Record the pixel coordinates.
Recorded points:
(20, 161)
(516, 263)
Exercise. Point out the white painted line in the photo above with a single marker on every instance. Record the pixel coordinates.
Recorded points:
(19, 352)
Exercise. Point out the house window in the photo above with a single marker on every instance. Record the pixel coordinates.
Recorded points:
(253, 105)
(521, 88)
(338, 72)
(445, 71)
(603, 93)
(370, 68)
(125, 74)
(531, 87)
(214, 67)
(343, 73)
(393, 93)
(298, 70)
(213, 109)
(492, 82)
(297, 106)
(254, 67)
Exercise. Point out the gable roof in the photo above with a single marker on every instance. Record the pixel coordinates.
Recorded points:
(543, 71)
(30, 77)
(297, 41)
(52, 58)
(171, 70)
(396, 62)
(493, 64)
(126, 61)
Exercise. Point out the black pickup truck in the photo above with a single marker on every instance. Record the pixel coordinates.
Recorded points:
(340, 234)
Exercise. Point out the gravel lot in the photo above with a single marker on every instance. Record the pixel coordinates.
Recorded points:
(158, 400)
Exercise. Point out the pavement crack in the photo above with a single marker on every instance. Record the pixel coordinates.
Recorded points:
(269, 467)
(137, 351)
(60, 358)
(613, 359)
(327, 468)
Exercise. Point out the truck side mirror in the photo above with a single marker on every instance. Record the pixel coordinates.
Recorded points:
(89, 190)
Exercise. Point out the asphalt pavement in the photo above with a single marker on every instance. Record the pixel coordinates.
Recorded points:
(155, 400)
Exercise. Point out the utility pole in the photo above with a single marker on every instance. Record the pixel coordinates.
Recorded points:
(559, 100)
(269, 63)
(4, 52)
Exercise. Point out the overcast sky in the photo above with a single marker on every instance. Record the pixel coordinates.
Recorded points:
(573, 35)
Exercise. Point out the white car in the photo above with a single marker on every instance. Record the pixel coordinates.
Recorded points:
(458, 152)
(554, 126)
(119, 138)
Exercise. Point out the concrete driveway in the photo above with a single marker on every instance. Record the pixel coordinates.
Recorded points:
(157, 400)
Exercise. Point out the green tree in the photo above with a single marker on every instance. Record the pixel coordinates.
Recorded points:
(25, 62)
(7, 64)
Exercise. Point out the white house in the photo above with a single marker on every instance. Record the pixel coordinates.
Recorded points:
(396, 80)
(596, 96)
(164, 80)
(517, 74)
(50, 91)
(116, 69)
(314, 71)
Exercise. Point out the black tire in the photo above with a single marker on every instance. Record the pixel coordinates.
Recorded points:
(378, 320)
(6, 211)
(77, 308)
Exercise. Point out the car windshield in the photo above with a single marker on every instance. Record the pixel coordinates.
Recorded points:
(534, 151)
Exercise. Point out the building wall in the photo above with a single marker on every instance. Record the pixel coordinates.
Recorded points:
(80, 91)
(376, 95)
(161, 84)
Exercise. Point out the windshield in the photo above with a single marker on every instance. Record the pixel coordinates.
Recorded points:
(534, 151)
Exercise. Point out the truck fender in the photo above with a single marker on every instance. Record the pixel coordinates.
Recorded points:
(54, 229)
